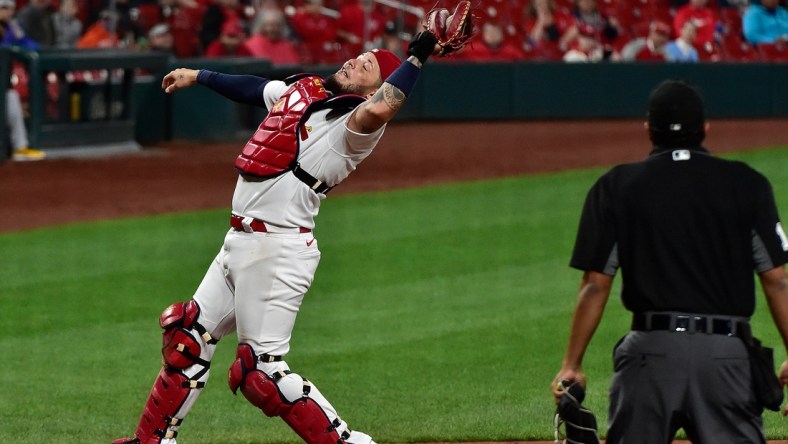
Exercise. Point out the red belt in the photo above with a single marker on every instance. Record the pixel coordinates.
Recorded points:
(258, 226)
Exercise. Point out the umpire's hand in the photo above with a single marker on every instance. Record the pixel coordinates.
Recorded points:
(564, 378)
(179, 79)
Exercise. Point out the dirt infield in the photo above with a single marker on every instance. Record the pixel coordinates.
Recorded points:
(180, 176)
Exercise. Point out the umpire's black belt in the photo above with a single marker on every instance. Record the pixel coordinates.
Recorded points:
(691, 323)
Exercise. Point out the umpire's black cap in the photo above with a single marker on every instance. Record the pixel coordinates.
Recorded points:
(675, 107)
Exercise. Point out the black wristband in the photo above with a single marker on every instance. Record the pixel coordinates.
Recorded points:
(422, 46)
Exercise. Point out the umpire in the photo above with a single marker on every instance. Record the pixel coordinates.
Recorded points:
(687, 230)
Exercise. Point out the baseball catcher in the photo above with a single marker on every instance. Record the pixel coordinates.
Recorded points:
(579, 422)
(316, 132)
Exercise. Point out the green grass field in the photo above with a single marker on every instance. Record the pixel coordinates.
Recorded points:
(437, 314)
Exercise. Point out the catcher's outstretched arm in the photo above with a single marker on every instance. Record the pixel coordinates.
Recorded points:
(389, 98)
(444, 33)
(379, 109)
(245, 89)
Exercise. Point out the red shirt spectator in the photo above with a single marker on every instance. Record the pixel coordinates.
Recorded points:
(230, 42)
(650, 48)
(353, 23)
(317, 32)
(215, 16)
(543, 26)
(608, 29)
(492, 47)
(585, 47)
(702, 16)
(268, 39)
(184, 17)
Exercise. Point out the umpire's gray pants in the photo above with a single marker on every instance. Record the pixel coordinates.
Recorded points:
(665, 381)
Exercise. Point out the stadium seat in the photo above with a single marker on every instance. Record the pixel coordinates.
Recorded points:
(731, 19)
(564, 5)
(146, 15)
(710, 52)
(735, 49)
(20, 80)
(551, 52)
(182, 25)
(530, 51)
(773, 52)
(640, 29)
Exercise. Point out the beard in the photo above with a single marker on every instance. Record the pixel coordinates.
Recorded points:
(332, 84)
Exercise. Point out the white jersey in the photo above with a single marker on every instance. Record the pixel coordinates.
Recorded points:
(329, 153)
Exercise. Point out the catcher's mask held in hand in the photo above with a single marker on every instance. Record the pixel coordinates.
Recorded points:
(454, 30)
(579, 423)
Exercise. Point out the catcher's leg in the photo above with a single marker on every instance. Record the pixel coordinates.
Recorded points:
(269, 385)
(188, 349)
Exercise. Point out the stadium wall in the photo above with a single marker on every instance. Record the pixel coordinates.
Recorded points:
(133, 106)
(507, 91)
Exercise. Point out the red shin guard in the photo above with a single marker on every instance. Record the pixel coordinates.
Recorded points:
(171, 389)
(303, 415)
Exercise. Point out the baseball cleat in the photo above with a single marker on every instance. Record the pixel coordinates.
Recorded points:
(27, 154)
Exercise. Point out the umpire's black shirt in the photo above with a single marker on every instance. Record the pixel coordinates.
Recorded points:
(687, 230)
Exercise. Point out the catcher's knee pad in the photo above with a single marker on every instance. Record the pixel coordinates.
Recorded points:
(183, 337)
(186, 367)
(286, 395)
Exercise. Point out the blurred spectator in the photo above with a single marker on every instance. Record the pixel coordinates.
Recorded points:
(68, 28)
(269, 38)
(393, 42)
(492, 46)
(126, 27)
(184, 17)
(17, 132)
(359, 24)
(586, 13)
(765, 23)
(681, 49)
(101, 34)
(160, 39)
(585, 47)
(703, 17)
(230, 42)
(214, 17)
(545, 24)
(12, 32)
(36, 20)
(317, 32)
(650, 48)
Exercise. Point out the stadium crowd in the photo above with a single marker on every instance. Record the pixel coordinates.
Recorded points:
(330, 31)
(327, 32)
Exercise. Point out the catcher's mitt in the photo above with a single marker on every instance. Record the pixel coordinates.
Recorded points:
(580, 423)
(453, 29)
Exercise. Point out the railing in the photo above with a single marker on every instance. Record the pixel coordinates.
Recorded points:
(403, 8)
(83, 97)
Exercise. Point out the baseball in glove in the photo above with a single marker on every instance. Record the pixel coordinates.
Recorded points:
(454, 30)
(579, 423)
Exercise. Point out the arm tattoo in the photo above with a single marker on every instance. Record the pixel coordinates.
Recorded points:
(391, 95)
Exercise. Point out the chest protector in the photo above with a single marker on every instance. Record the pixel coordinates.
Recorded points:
(274, 148)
